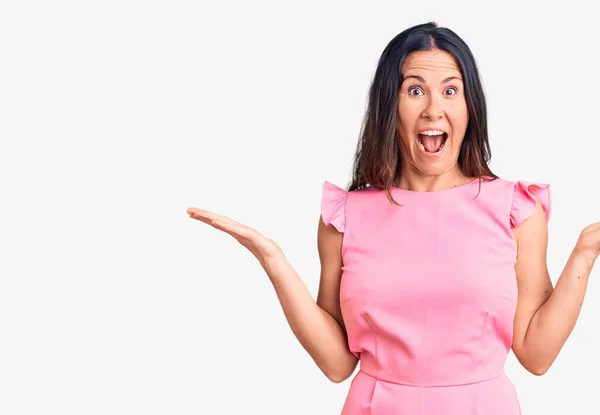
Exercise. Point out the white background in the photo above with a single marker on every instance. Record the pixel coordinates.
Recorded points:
(117, 116)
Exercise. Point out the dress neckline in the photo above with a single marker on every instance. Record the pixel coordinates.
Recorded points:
(438, 192)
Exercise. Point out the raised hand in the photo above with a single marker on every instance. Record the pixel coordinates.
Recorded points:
(589, 241)
(263, 248)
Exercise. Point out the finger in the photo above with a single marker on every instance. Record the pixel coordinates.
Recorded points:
(223, 223)
(200, 212)
(202, 219)
(210, 217)
(593, 227)
(233, 228)
(203, 215)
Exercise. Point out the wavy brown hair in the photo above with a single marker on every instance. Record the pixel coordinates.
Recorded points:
(377, 161)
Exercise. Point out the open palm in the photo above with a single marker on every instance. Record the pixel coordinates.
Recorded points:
(263, 248)
(589, 240)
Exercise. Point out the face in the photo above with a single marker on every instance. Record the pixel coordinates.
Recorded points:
(432, 113)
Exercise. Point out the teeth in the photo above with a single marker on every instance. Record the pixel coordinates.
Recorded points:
(432, 132)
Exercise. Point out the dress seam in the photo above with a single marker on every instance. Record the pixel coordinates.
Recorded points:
(376, 346)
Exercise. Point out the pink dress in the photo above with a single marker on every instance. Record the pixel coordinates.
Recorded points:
(428, 295)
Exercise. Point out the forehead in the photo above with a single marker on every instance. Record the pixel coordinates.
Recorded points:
(432, 62)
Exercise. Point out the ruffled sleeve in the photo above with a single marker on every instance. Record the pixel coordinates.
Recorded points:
(523, 203)
(333, 206)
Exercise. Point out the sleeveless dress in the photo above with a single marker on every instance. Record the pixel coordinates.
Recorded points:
(428, 294)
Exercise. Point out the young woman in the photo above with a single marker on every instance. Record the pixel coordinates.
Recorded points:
(433, 267)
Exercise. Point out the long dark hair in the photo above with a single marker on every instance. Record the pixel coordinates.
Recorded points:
(377, 160)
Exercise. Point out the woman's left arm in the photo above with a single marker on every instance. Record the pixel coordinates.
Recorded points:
(545, 316)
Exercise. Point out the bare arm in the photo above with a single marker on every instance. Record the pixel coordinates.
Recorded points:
(318, 326)
(545, 316)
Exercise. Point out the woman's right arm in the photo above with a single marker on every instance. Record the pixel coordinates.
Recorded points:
(318, 326)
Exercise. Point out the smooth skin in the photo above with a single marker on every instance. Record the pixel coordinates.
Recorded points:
(318, 326)
(431, 96)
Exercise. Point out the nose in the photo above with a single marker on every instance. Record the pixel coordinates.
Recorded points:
(433, 110)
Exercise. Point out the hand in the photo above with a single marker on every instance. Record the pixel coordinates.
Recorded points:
(589, 242)
(263, 248)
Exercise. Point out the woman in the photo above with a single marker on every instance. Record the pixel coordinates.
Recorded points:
(433, 268)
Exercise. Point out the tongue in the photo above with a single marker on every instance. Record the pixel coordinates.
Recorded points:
(431, 142)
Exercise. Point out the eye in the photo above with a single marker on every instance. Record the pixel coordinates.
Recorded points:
(415, 91)
(452, 89)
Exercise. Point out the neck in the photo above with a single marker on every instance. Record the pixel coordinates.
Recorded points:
(428, 183)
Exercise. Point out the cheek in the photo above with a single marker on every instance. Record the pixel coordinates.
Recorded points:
(408, 115)
(408, 108)
(459, 118)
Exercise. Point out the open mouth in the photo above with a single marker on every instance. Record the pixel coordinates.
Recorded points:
(432, 141)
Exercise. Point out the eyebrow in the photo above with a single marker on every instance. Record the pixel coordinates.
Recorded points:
(445, 80)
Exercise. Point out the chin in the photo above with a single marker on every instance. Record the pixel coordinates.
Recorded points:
(436, 170)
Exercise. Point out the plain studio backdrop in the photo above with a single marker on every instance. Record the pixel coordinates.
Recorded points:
(117, 116)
